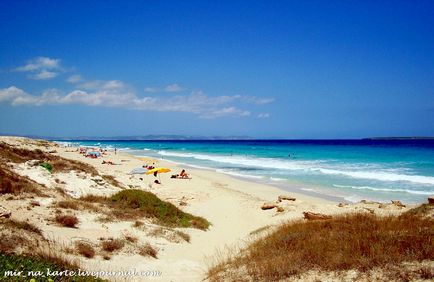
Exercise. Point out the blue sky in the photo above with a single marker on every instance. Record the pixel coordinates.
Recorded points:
(289, 69)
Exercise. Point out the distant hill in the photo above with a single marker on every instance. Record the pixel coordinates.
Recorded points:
(401, 138)
(156, 137)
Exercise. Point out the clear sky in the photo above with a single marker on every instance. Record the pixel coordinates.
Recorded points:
(289, 69)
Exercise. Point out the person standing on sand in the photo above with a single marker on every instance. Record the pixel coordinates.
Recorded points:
(115, 151)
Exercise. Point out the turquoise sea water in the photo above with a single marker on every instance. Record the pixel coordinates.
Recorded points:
(352, 169)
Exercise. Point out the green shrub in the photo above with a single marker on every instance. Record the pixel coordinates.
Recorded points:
(47, 166)
(17, 263)
(149, 205)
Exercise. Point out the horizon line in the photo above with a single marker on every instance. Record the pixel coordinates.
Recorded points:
(175, 137)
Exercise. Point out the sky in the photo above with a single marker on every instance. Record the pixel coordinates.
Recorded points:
(264, 69)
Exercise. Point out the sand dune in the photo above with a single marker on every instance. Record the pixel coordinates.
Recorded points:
(231, 205)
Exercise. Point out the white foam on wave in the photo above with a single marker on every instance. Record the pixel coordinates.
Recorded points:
(307, 166)
(233, 173)
(64, 143)
(417, 192)
(277, 179)
(308, 189)
(194, 166)
(382, 176)
(241, 160)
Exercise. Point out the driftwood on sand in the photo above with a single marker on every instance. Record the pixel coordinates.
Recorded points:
(398, 203)
(282, 197)
(316, 216)
(268, 206)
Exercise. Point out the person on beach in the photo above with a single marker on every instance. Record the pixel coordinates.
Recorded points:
(183, 174)
(149, 167)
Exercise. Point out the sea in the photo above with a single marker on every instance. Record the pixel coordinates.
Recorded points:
(351, 170)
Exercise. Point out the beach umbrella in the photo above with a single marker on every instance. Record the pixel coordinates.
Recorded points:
(94, 153)
(158, 170)
(138, 170)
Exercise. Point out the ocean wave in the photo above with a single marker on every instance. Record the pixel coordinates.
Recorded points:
(233, 173)
(386, 174)
(416, 192)
(308, 189)
(64, 143)
(278, 179)
(382, 176)
(240, 160)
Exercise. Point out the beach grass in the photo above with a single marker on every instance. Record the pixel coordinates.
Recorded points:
(148, 250)
(112, 181)
(70, 221)
(134, 204)
(40, 264)
(422, 210)
(354, 241)
(13, 183)
(55, 163)
(21, 225)
(152, 206)
(85, 249)
(112, 245)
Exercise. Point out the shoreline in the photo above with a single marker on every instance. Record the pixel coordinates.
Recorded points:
(230, 177)
(285, 187)
(231, 205)
(342, 189)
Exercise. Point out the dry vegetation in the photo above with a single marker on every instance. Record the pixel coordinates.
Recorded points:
(112, 245)
(77, 204)
(169, 234)
(183, 236)
(13, 183)
(20, 225)
(131, 238)
(112, 181)
(68, 204)
(67, 220)
(26, 239)
(40, 262)
(138, 224)
(18, 155)
(85, 249)
(357, 241)
(10, 242)
(422, 210)
(148, 250)
(19, 235)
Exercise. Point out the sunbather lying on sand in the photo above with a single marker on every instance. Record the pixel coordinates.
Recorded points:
(182, 175)
(149, 167)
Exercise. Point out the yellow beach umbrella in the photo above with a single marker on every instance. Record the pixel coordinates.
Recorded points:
(158, 170)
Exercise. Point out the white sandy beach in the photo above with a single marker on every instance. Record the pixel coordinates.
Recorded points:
(233, 206)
